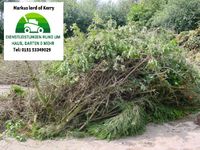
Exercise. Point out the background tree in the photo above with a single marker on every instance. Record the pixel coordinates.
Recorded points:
(1, 16)
(143, 12)
(115, 11)
(179, 15)
(1, 20)
(82, 12)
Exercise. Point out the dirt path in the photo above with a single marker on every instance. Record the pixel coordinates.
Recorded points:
(4, 89)
(179, 135)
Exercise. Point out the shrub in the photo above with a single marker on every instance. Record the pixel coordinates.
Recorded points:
(179, 15)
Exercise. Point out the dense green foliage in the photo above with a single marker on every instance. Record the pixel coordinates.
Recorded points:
(130, 121)
(143, 12)
(117, 12)
(179, 15)
(82, 13)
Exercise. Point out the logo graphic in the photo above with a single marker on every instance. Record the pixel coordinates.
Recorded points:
(33, 31)
(32, 23)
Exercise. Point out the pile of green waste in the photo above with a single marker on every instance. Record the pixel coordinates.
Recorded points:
(112, 82)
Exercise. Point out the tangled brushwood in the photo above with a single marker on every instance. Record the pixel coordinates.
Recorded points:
(112, 82)
(190, 40)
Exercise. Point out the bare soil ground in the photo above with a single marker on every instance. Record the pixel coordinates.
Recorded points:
(179, 135)
(4, 89)
(16, 72)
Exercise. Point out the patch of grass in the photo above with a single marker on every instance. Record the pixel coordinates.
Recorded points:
(18, 90)
(14, 129)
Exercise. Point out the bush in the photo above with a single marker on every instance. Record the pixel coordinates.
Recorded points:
(143, 12)
(179, 15)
